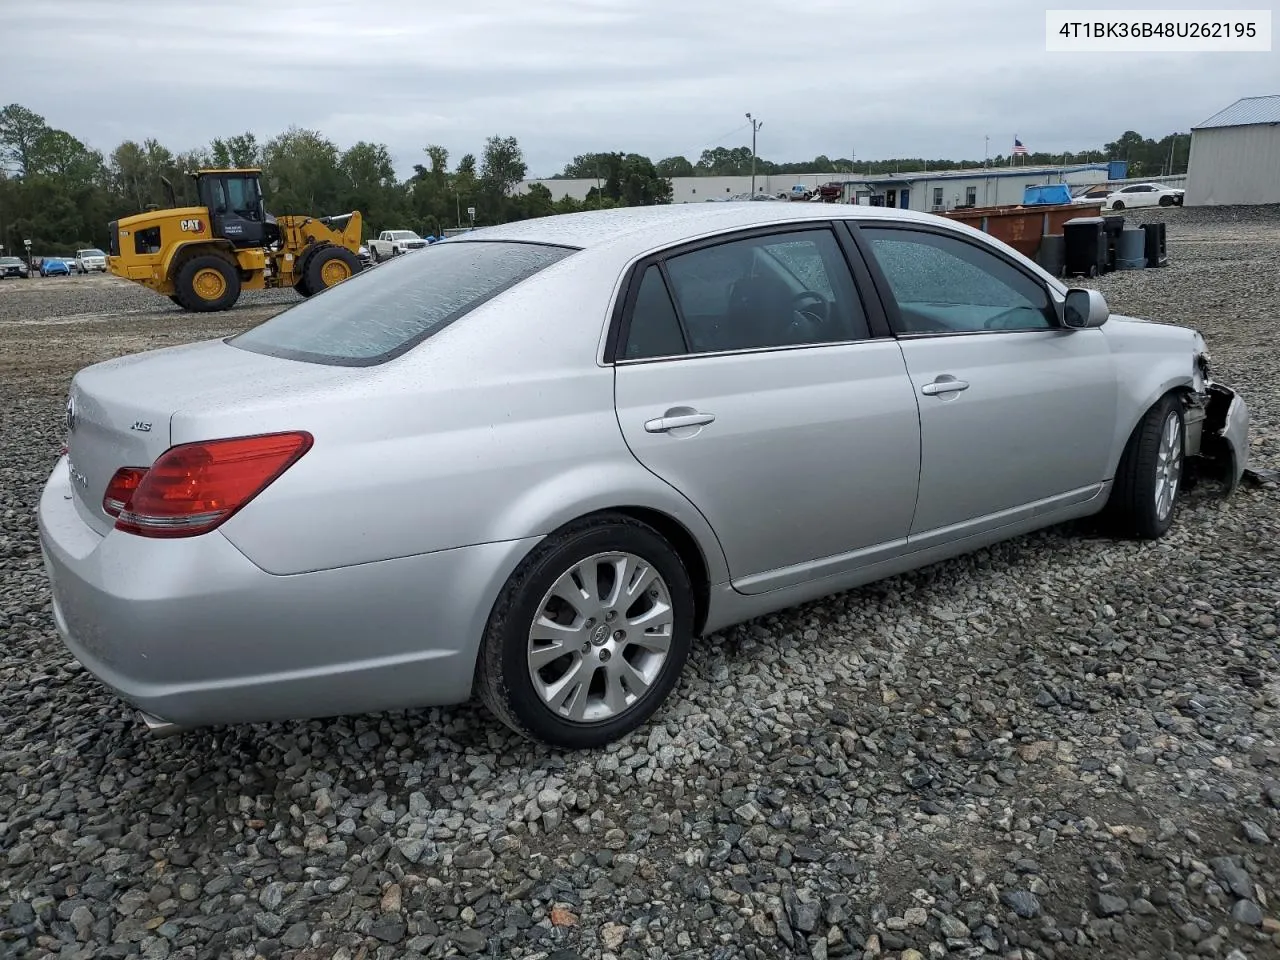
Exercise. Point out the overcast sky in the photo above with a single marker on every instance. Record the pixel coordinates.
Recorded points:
(660, 77)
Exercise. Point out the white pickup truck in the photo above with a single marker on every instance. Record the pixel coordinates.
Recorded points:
(91, 259)
(392, 243)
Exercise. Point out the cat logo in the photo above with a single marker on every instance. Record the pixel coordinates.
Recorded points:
(191, 226)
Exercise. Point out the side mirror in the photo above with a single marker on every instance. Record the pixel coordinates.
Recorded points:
(1085, 308)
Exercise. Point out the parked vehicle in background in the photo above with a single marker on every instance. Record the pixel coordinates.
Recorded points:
(54, 267)
(1144, 195)
(13, 267)
(365, 257)
(1092, 195)
(392, 243)
(539, 460)
(91, 259)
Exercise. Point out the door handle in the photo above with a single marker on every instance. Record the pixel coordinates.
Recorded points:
(943, 386)
(663, 424)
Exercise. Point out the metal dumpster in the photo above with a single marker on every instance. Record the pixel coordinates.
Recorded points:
(1021, 227)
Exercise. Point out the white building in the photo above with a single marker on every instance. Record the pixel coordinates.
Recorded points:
(698, 189)
(1235, 155)
(936, 190)
(926, 190)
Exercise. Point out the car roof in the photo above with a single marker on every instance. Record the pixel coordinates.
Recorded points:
(642, 228)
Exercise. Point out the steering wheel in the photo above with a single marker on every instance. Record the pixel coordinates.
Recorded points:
(806, 304)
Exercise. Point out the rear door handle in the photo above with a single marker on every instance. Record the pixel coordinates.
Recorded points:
(943, 386)
(663, 424)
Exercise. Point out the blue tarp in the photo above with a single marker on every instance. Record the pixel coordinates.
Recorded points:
(1045, 193)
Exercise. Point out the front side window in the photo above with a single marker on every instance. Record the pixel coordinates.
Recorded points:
(944, 284)
(360, 323)
(786, 289)
(242, 195)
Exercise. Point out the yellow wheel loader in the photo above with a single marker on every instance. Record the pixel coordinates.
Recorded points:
(202, 257)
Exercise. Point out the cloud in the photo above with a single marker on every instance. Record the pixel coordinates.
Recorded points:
(661, 77)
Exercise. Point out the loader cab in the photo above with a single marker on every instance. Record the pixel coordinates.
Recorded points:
(236, 211)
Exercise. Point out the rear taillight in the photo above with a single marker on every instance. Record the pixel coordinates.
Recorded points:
(195, 487)
(121, 488)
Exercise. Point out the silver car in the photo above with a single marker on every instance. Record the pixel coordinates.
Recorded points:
(538, 461)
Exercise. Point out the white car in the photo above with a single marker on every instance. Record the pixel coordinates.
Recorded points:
(91, 259)
(1144, 195)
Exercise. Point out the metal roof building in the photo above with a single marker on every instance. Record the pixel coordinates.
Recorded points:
(933, 191)
(1235, 155)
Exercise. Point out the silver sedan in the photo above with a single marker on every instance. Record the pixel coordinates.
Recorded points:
(539, 460)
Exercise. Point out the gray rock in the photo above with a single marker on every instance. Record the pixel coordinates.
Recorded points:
(1254, 833)
(1246, 911)
(1024, 904)
(469, 941)
(296, 936)
(1109, 905)
(388, 929)
(269, 923)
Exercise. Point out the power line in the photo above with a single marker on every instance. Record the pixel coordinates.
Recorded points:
(720, 139)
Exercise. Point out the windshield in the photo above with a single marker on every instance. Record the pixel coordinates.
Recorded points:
(10, 260)
(404, 235)
(379, 315)
(92, 253)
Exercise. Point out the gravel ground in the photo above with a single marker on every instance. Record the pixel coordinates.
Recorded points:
(1059, 747)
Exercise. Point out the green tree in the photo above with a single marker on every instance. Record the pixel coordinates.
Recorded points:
(239, 151)
(675, 167)
(22, 133)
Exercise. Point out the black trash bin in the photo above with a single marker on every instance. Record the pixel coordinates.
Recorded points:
(1085, 246)
(1050, 254)
(1157, 252)
(1113, 225)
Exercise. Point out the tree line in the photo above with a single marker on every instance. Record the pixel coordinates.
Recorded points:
(60, 193)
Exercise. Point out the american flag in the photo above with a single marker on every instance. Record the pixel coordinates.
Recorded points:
(1018, 149)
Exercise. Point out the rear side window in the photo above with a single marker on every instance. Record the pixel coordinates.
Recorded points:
(655, 328)
(379, 315)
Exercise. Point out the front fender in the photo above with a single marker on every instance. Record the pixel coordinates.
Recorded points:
(1151, 360)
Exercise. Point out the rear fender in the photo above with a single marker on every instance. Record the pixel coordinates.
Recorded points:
(594, 488)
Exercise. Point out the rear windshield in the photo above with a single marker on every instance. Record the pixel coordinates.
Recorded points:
(382, 312)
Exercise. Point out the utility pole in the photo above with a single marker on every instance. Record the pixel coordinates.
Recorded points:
(755, 128)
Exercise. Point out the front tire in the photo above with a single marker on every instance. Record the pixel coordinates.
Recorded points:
(1118, 205)
(1148, 479)
(329, 266)
(1166, 201)
(589, 635)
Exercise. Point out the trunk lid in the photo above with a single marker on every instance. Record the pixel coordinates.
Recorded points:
(120, 413)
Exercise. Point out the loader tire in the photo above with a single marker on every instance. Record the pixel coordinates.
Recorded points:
(301, 288)
(206, 284)
(329, 266)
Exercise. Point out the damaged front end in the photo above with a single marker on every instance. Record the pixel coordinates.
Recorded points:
(1217, 425)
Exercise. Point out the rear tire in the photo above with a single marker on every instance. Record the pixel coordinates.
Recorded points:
(613, 673)
(207, 283)
(1149, 477)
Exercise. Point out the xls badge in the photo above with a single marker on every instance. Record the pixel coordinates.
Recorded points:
(193, 225)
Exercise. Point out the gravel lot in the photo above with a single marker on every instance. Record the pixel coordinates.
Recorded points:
(1061, 746)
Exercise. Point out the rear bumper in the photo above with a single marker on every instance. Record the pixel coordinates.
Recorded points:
(193, 633)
